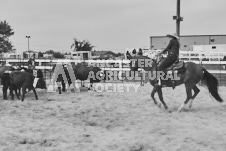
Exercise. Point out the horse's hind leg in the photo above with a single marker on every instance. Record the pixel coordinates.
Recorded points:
(23, 93)
(36, 96)
(4, 90)
(153, 97)
(159, 91)
(17, 93)
(11, 92)
(196, 91)
(189, 96)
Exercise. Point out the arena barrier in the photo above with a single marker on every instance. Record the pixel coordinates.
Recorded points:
(213, 62)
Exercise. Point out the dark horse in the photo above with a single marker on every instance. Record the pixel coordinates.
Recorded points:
(80, 71)
(17, 80)
(3, 69)
(84, 72)
(190, 76)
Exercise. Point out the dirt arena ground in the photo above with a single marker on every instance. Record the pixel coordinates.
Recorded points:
(129, 121)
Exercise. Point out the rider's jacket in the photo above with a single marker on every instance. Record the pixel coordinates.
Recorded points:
(173, 47)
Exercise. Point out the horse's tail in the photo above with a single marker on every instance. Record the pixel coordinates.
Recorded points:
(212, 85)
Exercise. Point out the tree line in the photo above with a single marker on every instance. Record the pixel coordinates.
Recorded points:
(6, 45)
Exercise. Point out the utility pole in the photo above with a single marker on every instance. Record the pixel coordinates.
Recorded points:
(178, 18)
(28, 45)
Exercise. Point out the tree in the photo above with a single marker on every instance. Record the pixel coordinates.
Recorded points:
(81, 45)
(119, 54)
(50, 52)
(55, 54)
(40, 54)
(58, 55)
(5, 32)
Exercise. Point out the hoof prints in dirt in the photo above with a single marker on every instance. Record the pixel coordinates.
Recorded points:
(43, 142)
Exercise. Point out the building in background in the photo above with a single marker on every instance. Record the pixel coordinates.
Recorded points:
(29, 54)
(187, 42)
(81, 55)
(103, 54)
(10, 55)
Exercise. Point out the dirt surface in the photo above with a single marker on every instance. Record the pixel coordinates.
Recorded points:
(129, 121)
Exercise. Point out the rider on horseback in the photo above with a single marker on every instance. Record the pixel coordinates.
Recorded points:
(173, 53)
(31, 62)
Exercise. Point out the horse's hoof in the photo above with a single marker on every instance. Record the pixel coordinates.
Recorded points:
(159, 105)
(168, 111)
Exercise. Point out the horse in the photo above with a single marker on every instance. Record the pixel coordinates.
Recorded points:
(7, 83)
(39, 78)
(189, 75)
(3, 69)
(80, 71)
(83, 72)
(17, 80)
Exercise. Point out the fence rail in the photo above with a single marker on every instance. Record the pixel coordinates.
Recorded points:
(215, 64)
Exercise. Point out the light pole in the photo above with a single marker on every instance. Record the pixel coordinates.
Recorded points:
(178, 18)
(28, 44)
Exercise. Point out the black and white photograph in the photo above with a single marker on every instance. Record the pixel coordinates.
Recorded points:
(113, 75)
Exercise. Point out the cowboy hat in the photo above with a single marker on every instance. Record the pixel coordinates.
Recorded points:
(173, 35)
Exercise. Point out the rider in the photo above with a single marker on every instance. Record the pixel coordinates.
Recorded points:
(140, 52)
(31, 62)
(173, 53)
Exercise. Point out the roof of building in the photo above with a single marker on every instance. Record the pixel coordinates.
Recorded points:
(189, 35)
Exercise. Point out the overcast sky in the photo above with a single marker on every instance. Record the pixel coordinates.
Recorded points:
(107, 24)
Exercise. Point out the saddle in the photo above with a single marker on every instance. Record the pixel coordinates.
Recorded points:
(178, 66)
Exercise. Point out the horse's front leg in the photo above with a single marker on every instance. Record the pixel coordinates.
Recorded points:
(11, 91)
(159, 91)
(189, 96)
(4, 90)
(153, 97)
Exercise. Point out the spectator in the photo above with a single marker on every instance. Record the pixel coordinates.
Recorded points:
(140, 52)
(134, 52)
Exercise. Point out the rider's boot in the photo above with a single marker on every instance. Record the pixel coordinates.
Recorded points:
(173, 84)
